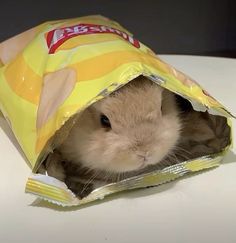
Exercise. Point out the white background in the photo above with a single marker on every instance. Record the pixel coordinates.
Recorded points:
(198, 208)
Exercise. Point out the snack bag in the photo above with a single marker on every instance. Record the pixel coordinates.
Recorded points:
(52, 72)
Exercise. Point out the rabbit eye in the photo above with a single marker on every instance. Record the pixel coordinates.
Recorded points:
(105, 121)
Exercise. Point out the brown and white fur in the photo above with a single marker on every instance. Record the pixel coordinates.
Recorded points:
(144, 129)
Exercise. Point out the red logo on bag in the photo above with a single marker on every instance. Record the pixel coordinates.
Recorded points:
(57, 37)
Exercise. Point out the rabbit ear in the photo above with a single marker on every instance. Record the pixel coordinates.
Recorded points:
(57, 86)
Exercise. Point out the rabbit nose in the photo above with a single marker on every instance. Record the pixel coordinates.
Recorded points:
(143, 156)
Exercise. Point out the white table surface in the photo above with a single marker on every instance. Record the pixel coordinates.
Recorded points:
(200, 208)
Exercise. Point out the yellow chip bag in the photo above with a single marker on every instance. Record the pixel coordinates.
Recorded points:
(53, 72)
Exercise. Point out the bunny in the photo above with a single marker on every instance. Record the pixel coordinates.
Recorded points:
(133, 128)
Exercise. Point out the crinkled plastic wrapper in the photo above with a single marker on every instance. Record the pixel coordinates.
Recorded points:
(52, 72)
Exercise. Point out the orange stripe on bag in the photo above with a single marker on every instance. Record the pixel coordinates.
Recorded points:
(23, 81)
(101, 65)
